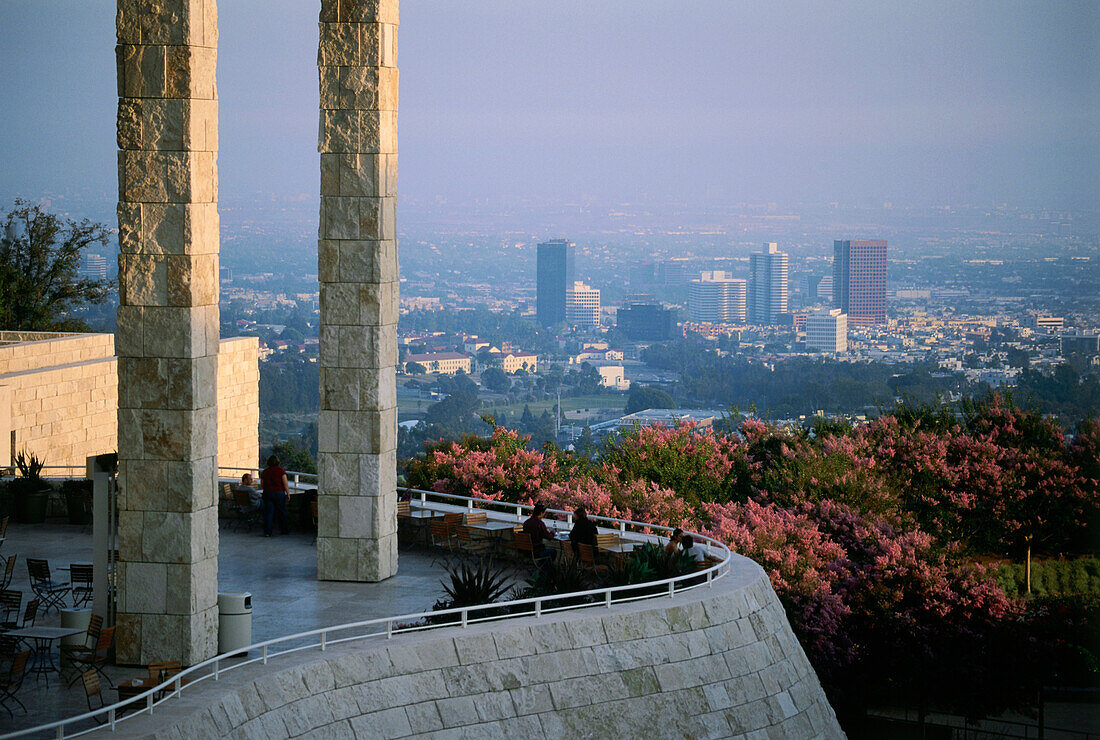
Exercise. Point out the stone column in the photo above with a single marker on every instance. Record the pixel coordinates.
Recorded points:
(167, 336)
(357, 265)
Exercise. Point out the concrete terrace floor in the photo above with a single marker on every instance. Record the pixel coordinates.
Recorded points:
(280, 572)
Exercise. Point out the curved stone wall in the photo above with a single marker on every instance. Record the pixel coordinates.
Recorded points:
(715, 662)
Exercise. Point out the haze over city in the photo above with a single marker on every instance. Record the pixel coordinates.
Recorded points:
(649, 103)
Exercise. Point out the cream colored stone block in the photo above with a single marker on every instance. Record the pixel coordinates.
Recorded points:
(377, 559)
(143, 280)
(191, 177)
(359, 11)
(142, 176)
(378, 474)
(143, 587)
(337, 559)
(378, 44)
(338, 44)
(377, 388)
(378, 305)
(339, 131)
(190, 72)
(339, 473)
(192, 280)
(377, 218)
(141, 71)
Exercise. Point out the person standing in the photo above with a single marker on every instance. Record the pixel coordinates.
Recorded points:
(276, 496)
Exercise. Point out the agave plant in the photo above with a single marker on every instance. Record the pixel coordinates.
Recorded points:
(30, 465)
(471, 585)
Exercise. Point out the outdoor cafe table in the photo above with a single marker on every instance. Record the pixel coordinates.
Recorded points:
(496, 530)
(43, 651)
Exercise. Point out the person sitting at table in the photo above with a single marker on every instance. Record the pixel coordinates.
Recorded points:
(254, 496)
(674, 541)
(535, 527)
(697, 553)
(584, 530)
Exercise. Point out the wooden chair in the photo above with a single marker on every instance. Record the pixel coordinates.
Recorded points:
(525, 549)
(247, 514)
(92, 689)
(226, 502)
(608, 540)
(161, 672)
(51, 593)
(468, 543)
(9, 572)
(96, 658)
(404, 510)
(11, 682)
(441, 535)
(477, 517)
(30, 613)
(80, 577)
(10, 603)
(586, 554)
(95, 625)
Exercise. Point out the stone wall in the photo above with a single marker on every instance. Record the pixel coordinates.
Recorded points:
(712, 663)
(238, 403)
(59, 398)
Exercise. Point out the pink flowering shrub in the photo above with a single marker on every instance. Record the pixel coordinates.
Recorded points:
(870, 535)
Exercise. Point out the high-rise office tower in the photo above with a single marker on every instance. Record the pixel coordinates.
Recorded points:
(767, 285)
(582, 304)
(716, 298)
(859, 281)
(827, 331)
(554, 276)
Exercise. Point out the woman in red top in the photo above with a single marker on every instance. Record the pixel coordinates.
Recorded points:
(276, 496)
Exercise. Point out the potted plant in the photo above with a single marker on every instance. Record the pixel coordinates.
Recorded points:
(31, 491)
(78, 500)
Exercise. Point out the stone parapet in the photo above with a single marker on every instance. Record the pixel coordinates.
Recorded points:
(238, 403)
(719, 662)
(357, 268)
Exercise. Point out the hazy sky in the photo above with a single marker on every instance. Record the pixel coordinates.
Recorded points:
(719, 100)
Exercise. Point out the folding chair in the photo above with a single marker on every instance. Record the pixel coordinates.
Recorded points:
(30, 613)
(404, 510)
(227, 505)
(96, 658)
(92, 688)
(246, 512)
(10, 602)
(9, 571)
(477, 517)
(587, 556)
(81, 578)
(468, 543)
(52, 593)
(11, 682)
(95, 625)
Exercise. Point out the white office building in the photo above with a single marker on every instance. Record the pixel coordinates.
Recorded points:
(716, 298)
(827, 331)
(582, 305)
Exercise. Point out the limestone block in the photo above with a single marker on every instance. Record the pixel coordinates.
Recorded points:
(194, 586)
(378, 44)
(366, 261)
(339, 218)
(189, 383)
(191, 177)
(377, 218)
(369, 431)
(142, 280)
(378, 306)
(364, 345)
(142, 383)
(128, 638)
(337, 559)
(338, 45)
(359, 11)
(166, 22)
(142, 484)
(377, 131)
(377, 389)
(177, 228)
(377, 559)
(339, 386)
(378, 473)
(423, 718)
(338, 131)
(180, 331)
(192, 280)
(142, 176)
(192, 487)
(141, 71)
(143, 587)
(339, 303)
(190, 72)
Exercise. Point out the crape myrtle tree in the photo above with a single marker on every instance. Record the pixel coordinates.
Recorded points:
(39, 257)
(877, 538)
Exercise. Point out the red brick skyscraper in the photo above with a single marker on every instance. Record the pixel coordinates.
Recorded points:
(859, 281)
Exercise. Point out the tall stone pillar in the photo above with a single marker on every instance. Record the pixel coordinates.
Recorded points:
(357, 256)
(167, 336)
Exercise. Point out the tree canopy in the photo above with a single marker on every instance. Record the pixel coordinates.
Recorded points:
(39, 258)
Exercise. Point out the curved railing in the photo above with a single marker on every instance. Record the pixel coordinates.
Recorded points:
(109, 717)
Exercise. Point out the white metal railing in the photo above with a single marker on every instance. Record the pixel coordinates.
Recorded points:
(297, 481)
(108, 717)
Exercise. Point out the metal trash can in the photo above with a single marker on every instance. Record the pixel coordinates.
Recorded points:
(234, 621)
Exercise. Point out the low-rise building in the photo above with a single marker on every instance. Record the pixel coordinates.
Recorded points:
(510, 362)
(446, 363)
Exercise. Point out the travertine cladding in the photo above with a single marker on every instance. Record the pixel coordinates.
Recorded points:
(167, 336)
(59, 398)
(713, 663)
(357, 266)
(238, 403)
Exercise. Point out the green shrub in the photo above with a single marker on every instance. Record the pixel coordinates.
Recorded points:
(1080, 576)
